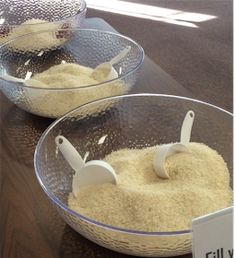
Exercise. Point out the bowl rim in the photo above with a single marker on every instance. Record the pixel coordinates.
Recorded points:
(80, 11)
(62, 205)
(82, 30)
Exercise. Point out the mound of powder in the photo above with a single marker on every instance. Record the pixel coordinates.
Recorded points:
(40, 41)
(52, 103)
(65, 75)
(198, 185)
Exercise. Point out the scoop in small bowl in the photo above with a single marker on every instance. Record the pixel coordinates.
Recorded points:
(106, 71)
(87, 48)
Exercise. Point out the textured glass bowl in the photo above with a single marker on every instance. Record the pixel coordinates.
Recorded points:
(83, 46)
(53, 13)
(131, 121)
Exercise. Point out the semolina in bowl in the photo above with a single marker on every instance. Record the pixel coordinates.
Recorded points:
(21, 17)
(142, 214)
(54, 80)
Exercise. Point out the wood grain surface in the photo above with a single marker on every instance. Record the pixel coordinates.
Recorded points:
(29, 225)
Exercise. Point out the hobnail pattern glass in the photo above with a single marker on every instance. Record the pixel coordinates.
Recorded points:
(62, 14)
(132, 121)
(83, 46)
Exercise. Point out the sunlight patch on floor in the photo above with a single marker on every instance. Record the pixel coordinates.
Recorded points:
(155, 13)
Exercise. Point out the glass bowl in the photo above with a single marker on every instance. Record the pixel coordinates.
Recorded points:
(130, 121)
(20, 17)
(83, 46)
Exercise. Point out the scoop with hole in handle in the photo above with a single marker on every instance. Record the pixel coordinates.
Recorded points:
(89, 173)
(165, 150)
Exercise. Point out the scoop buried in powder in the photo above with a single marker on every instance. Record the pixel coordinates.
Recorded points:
(165, 150)
(105, 71)
(29, 82)
(69, 75)
(47, 35)
(90, 173)
(33, 82)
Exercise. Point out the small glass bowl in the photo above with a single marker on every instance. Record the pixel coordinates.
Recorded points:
(20, 17)
(83, 46)
(131, 121)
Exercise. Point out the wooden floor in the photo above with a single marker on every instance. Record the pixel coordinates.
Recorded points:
(199, 59)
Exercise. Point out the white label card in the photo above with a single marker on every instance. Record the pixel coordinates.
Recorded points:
(213, 235)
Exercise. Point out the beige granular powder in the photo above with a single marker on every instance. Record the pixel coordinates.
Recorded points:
(54, 103)
(65, 75)
(198, 184)
(44, 40)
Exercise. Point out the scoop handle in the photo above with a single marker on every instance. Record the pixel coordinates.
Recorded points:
(121, 55)
(8, 77)
(69, 153)
(187, 127)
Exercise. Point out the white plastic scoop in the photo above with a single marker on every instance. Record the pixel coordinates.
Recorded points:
(89, 173)
(28, 81)
(105, 71)
(165, 150)
(8, 77)
(33, 94)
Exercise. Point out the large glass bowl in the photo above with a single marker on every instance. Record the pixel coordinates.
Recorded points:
(20, 17)
(83, 46)
(131, 121)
